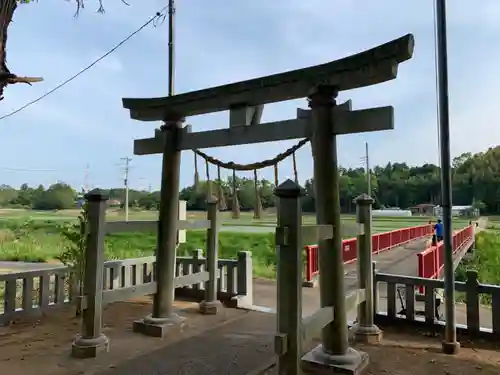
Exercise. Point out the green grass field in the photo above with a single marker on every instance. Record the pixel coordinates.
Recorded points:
(39, 240)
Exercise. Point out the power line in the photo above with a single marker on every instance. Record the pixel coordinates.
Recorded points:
(27, 170)
(64, 169)
(157, 16)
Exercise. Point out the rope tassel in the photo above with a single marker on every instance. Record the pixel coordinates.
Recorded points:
(295, 174)
(258, 202)
(196, 174)
(276, 183)
(235, 204)
(220, 193)
(209, 182)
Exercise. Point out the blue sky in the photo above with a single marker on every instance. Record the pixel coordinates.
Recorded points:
(224, 41)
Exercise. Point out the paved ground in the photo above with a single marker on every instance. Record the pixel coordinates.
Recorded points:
(241, 345)
(235, 348)
(247, 343)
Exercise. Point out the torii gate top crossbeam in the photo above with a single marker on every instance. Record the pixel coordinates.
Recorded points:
(366, 68)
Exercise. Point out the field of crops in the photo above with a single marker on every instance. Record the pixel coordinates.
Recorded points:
(33, 236)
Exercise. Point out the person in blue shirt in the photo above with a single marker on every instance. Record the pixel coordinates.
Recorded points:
(438, 228)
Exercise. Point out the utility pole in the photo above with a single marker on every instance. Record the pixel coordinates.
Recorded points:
(86, 179)
(171, 66)
(366, 161)
(368, 173)
(127, 161)
(450, 344)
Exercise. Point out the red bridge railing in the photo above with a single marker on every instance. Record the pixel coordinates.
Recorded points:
(431, 260)
(380, 242)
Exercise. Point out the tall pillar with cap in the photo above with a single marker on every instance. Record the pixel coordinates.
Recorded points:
(365, 330)
(211, 305)
(91, 341)
(289, 276)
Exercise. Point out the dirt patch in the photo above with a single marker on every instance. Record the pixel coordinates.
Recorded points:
(42, 347)
(416, 354)
(403, 353)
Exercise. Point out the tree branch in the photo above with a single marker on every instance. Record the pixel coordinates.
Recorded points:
(7, 9)
(28, 80)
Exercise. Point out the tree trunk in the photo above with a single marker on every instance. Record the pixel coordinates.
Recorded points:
(7, 9)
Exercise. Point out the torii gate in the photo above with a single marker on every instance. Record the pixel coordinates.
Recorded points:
(244, 100)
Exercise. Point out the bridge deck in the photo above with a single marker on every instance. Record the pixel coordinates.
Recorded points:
(242, 345)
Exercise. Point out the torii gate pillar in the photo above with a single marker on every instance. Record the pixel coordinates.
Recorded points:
(164, 316)
(334, 350)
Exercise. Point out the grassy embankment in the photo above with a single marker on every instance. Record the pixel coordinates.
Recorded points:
(485, 260)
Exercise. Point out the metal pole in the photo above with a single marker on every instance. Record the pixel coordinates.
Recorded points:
(167, 233)
(171, 65)
(368, 174)
(450, 344)
(164, 314)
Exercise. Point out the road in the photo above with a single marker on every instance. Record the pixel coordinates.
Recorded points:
(8, 267)
(399, 261)
(248, 229)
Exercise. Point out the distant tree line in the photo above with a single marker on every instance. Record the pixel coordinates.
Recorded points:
(476, 181)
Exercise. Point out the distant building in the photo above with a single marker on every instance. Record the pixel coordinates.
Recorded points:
(465, 211)
(391, 212)
(114, 203)
(424, 209)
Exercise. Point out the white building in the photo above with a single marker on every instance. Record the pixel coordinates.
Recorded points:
(391, 212)
(467, 211)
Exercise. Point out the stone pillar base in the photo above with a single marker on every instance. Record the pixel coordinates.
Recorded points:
(210, 307)
(158, 327)
(450, 347)
(368, 335)
(318, 362)
(89, 348)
